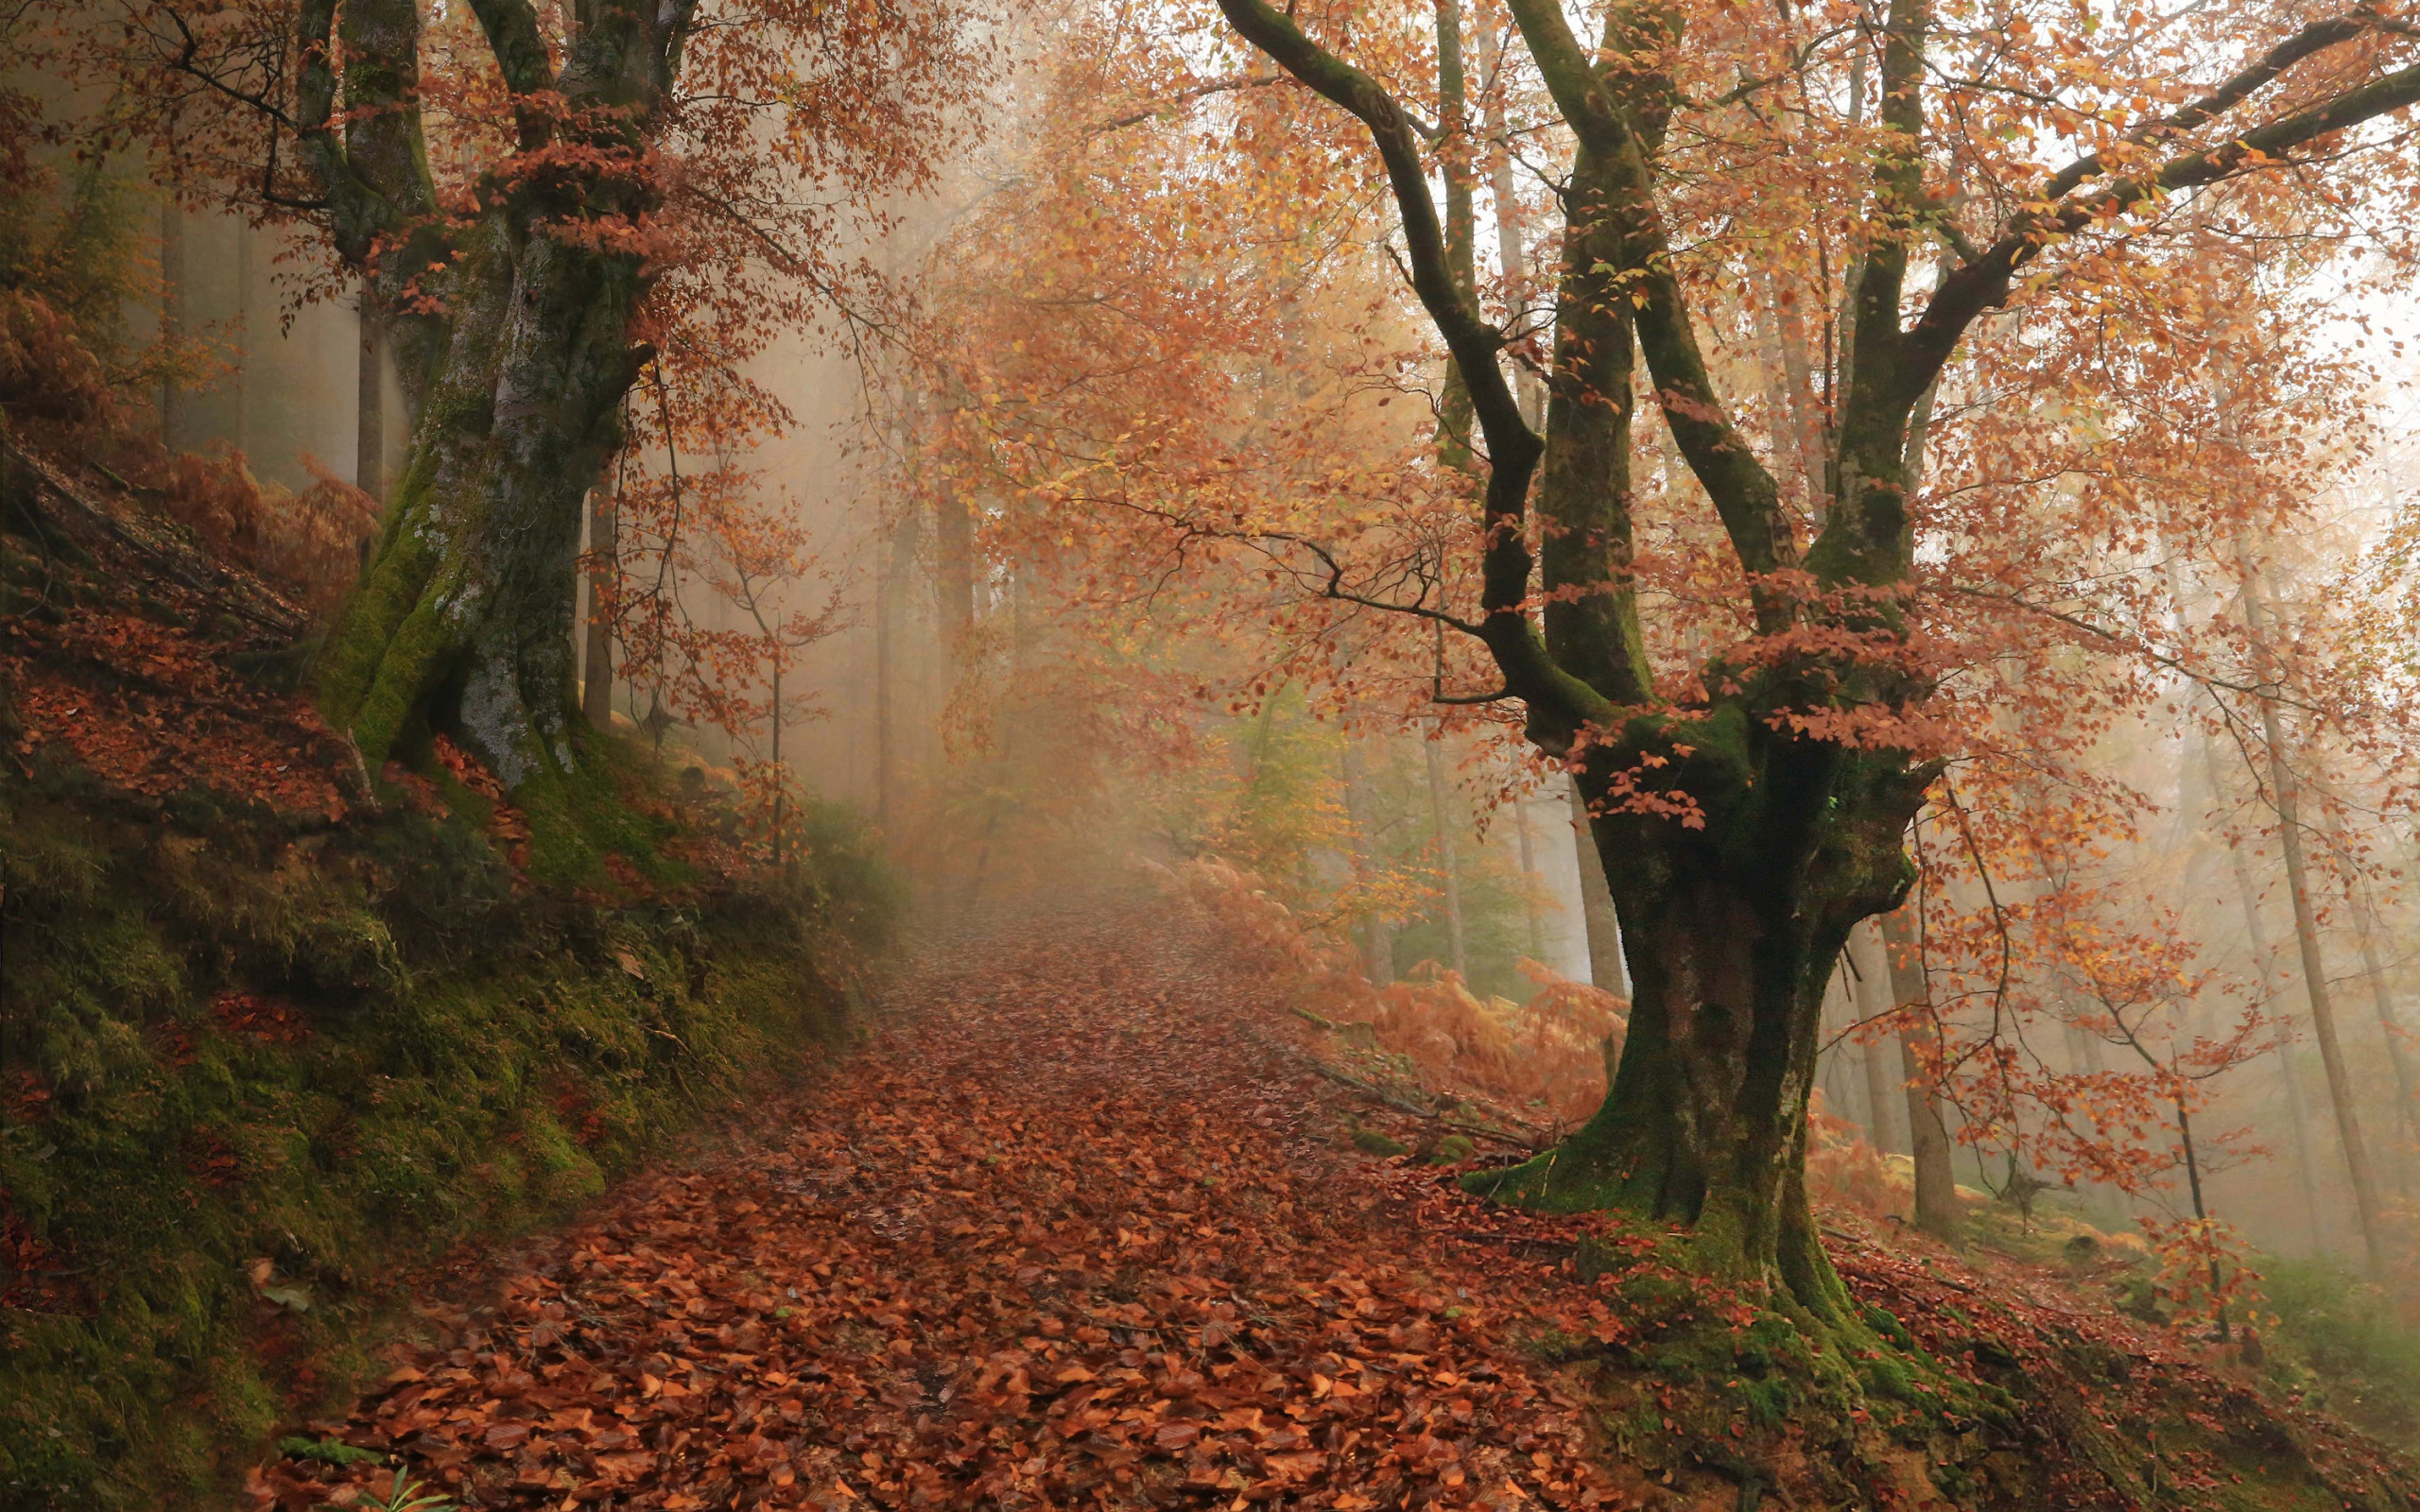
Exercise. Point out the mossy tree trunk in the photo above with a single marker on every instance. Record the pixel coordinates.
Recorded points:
(1732, 933)
(465, 618)
(513, 337)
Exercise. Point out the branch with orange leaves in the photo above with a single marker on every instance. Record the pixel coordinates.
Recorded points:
(1985, 282)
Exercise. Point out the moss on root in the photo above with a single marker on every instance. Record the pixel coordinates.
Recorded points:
(1945, 1395)
(256, 1068)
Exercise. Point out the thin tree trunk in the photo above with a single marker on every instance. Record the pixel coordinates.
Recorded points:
(1832, 1064)
(1449, 866)
(243, 335)
(1937, 1210)
(1377, 935)
(1531, 883)
(2393, 1032)
(2265, 962)
(370, 404)
(604, 573)
(890, 595)
(2193, 1176)
(2305, 1165)
(954, 574)
(1870, 978)
(2322, 1012)
(781, 779)
(1606, 968)
(1511, 236)
(172, 315)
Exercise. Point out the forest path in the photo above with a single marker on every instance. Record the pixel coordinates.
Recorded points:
(1072, 1230)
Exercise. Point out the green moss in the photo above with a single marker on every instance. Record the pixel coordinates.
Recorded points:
(401, 677)
(1890, 1328)
(433, 1052)
(391, 591)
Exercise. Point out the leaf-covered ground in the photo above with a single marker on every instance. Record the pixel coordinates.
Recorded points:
(1071, 1228)
(1080, 1227)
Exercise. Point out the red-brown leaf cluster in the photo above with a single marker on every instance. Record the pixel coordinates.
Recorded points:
(2083, 1372)
(154, 710)
(270, 1020)
(508, 827)
(32, 1277)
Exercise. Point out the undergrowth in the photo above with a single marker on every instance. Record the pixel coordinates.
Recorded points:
(2339, 1344)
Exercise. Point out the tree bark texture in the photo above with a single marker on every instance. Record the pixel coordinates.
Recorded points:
(1730, 958)
(1606, 968)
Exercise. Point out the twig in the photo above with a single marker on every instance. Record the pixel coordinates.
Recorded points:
(1381, 1095)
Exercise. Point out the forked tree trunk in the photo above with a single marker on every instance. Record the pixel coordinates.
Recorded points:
(512, 338)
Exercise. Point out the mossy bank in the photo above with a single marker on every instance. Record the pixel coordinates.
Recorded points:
(258, 1066)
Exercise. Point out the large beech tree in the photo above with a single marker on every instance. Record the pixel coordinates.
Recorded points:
(1751, 812)
(542, 202)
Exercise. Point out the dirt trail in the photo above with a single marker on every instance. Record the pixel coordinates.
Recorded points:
(1071, 1231)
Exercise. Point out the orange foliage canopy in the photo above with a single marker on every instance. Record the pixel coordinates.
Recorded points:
(1173, 371)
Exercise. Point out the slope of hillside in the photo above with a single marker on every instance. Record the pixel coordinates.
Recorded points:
(277, 1028)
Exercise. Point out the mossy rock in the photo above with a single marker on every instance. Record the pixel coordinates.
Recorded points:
(1370, 1141)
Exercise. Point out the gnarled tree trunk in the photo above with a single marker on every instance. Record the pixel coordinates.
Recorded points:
(1739, 849)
